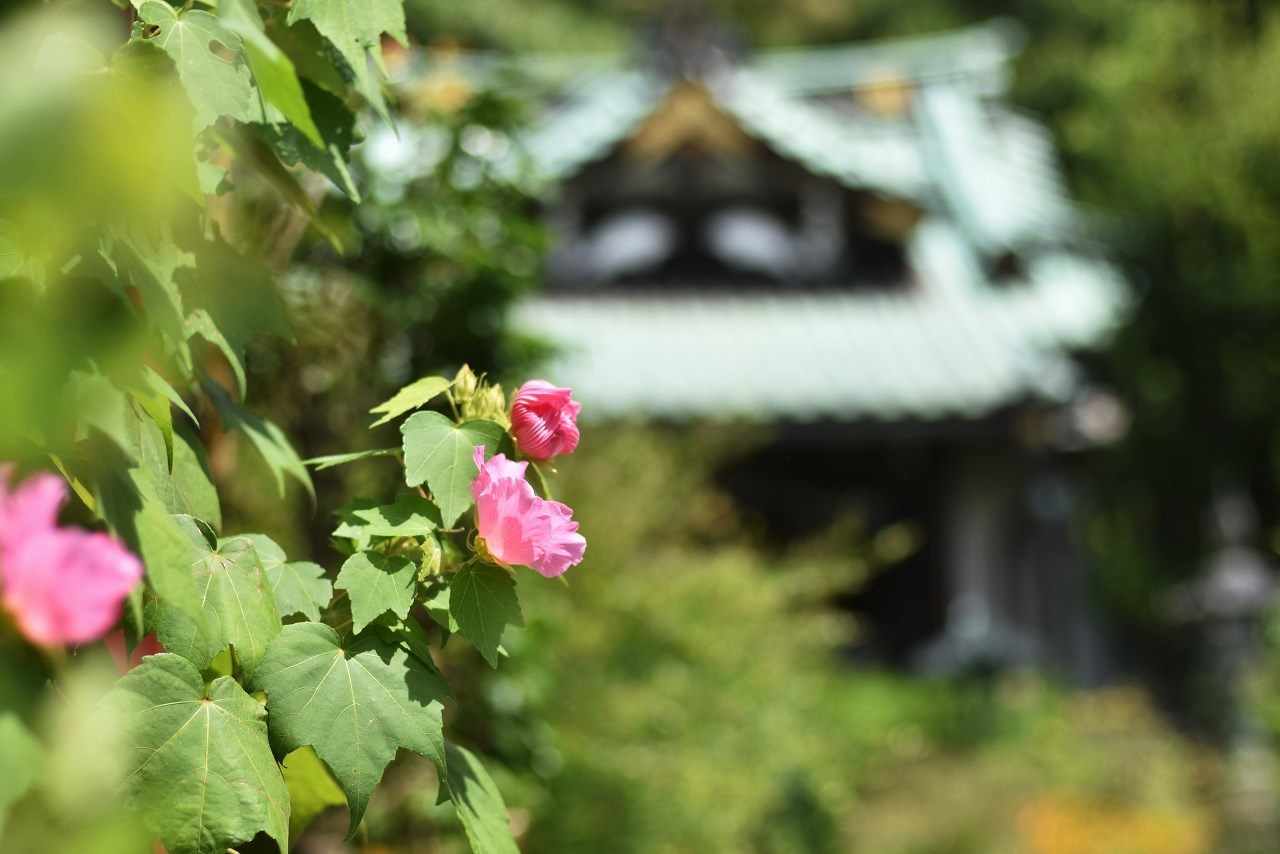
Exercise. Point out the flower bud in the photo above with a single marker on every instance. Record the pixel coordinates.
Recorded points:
(544, 419)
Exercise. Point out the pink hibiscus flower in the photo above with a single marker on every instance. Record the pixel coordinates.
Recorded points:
(518, 527)
(60, 585)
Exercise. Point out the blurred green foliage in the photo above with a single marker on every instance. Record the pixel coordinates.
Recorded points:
(690, 697)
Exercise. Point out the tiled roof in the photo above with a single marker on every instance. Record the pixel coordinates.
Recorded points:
(947, 346)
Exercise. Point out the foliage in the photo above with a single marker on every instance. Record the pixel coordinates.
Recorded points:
(696, 701)
(132, 143)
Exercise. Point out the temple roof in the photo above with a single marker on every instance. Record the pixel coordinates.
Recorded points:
(919, 120)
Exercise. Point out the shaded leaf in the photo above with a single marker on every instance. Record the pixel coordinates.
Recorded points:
(479, 803)
(408, 516)
(272, 69)
(440, 453)
(328, 156)
(187, 488)
(482, 603)
(356, 705)
(201, 771)
(311, 788)
(267, 438)
(409, 398)
(376, 584)
(331, 460)
(357, 35)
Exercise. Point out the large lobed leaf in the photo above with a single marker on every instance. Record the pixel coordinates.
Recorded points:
(356, 31)
(200, 767)
(356, 704)
(439, 453)
(216, 86)
(238, 606)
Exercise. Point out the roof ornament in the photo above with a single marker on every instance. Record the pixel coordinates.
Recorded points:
(685, 42)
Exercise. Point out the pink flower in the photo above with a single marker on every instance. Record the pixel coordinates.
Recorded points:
(544, 420)
(517, 526)
(115, 644)
(61, 585)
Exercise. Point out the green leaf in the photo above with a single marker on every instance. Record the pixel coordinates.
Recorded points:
(331, 460)
(152, 267)
(300, 586)
(412, 396)
(377, 584)
(21, 757)
(355, 704)
(160, 385)
(311, 789)
(268, 439)
(482, 603)
(201, 771)
(312, 55)
(479, 803)
(329, 157)
(187, 488)
(272, 70)
(229, 298)
(440, 453)
(127, 501)
(251, 149)
(407, 633)
(436, 604)
(357, 34)
(408, 516)
(216, 86)
(157, 407)
(238, 605)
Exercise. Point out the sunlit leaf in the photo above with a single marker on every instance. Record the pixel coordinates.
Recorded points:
(201, 771)
(440, 453)
(356, 704)
(377, 584)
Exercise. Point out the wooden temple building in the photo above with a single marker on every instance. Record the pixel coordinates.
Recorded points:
(871, 249)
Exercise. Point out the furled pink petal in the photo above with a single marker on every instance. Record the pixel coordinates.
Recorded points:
(544, 420)
(517, 526)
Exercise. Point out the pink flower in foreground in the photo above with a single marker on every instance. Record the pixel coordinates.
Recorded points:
(61, 585)
(544, 420)
(517, 526)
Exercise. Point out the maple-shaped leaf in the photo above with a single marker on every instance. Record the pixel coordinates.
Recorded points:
(209, 59)
(356, 703)
(200, 769)
(440, 453)
(238, 604)
(356, 30)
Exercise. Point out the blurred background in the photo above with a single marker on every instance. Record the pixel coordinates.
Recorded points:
(931, 450)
